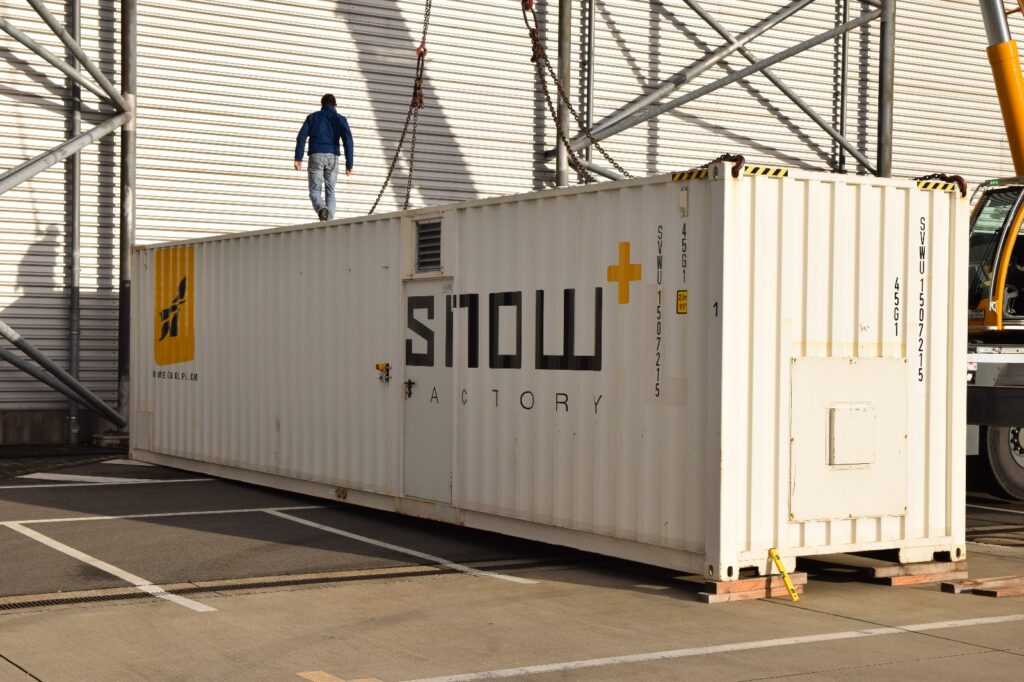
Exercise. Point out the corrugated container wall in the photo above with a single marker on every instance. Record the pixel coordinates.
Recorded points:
(685, 374)
(223, 88)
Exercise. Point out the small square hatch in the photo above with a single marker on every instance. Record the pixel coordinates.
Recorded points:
(851, 438)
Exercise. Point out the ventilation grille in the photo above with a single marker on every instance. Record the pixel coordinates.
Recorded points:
(428, 247)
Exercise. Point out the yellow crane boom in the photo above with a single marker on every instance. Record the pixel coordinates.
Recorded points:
(1003, 56)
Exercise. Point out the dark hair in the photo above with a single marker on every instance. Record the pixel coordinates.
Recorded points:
(328, 99)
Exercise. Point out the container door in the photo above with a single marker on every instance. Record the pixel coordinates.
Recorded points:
(428, 394)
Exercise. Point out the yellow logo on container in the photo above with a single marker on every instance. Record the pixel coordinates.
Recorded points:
(174, 330)
(624, 272)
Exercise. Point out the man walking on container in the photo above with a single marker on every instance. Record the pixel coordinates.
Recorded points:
(324, 129)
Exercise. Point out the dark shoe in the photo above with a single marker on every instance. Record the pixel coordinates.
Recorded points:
(324, 215)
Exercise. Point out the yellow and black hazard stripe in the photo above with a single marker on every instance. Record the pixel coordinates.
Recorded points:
(766, 171)
(693, 174)
(701, 173)
(937, 185)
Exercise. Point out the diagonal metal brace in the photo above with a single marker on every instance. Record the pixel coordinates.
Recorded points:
(35, 166)
(784, 88)
(80, 54)
(59, 374)
(711, 59)
(52, 59)
(640, 117)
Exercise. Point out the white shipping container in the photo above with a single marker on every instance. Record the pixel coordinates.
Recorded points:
(684, 373)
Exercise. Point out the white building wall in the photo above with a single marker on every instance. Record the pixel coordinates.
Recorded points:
(223, 89)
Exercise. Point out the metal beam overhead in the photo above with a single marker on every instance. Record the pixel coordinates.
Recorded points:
(838, 135)
(8, 28)
(640, 110)
(727, 80)
(79, 53)
(35, 166)
(681, 78)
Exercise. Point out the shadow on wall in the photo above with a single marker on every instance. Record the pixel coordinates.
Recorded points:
(54, 91)
(40, 314)
(367, 47)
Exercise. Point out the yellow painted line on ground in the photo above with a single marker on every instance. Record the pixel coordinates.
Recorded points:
(321, 676)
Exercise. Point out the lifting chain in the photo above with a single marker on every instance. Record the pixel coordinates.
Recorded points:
(412, 116)
(960, 183)
(737, 161)
(542, 63)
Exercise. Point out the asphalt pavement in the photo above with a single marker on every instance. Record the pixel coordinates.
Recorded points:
(117, 570)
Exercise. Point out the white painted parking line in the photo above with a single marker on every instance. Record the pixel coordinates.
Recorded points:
(721, 649)
(404, 550)
(156, 515)
(142, 584)
(123, 481)
(77, 478)
(128, 462)
(996, 509)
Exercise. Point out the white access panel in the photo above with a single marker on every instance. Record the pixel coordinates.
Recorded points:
(849, 438)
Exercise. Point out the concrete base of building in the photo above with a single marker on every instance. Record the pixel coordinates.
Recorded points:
(47, 427)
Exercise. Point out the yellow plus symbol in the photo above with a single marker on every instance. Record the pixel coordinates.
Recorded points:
(624, 273)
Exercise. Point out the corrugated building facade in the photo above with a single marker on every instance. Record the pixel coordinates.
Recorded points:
(223, 88)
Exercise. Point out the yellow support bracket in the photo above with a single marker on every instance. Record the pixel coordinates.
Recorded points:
(785, 576)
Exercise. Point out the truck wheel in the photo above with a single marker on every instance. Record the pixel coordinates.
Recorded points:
(1006, 459)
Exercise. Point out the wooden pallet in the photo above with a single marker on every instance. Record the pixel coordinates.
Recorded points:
(111, 440)
(763, 587)
(921, 573)
(896, 574)
(1005, 586)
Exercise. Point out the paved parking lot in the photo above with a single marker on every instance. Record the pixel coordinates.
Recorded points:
(117, 570)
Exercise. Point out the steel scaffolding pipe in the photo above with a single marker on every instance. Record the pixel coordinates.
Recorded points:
(588, 116)
(52, 59)
(73, 184)
(727, 80)
(80, 54)
(599, 170)
(42, 377)
(681, 78)
(33, 167)
(129, 85)
(564, 74)
(886, 86)
(844, 69)
(59, 374)
(838, 135)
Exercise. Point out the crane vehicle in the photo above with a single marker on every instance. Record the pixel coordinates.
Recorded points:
(995, 395)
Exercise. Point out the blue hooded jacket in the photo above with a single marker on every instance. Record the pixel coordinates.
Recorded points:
(324, 128)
